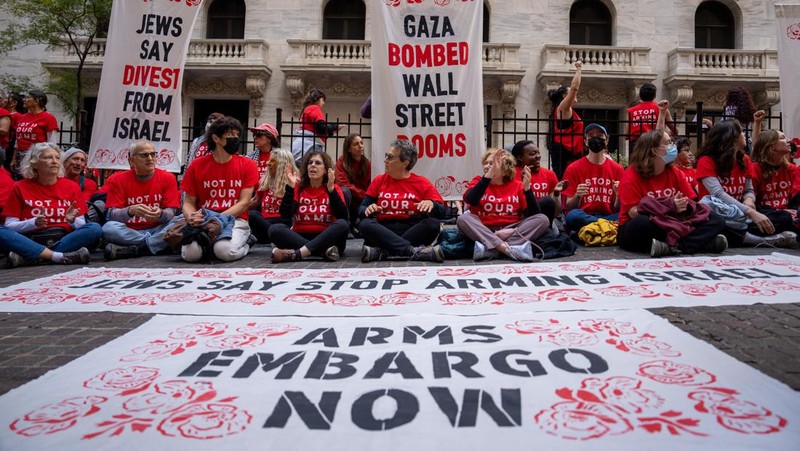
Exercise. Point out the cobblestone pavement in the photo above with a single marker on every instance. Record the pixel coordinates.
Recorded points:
(766, 337)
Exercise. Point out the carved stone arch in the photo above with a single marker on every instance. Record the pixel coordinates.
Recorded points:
(736, 11)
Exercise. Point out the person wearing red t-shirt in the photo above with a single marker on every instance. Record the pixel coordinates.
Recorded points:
(658, 212)
(353, 172)
(773, 179)
(6, 182)
(565, 140)
(5, 125)
(74, 169)
(544, 183)
(400, 210)
(592, 183)
(140, 205)
(318, 212)
(35, 126)
(270, 193)
(685, 160)
(724, 174)
(219, 187)
(314, 128)
(503, 216)
(42, 203)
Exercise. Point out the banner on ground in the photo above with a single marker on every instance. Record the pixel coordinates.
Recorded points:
(788, 24)
(141, 82)
(427, 86)
(613, 284)
(557, 380)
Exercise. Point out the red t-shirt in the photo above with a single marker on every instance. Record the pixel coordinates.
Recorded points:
(776, 191)
(202, 150)
(600, 178)
(263, 163)
(399, 197)
(543, 182)
(125, 190)
(642, 118)
(6, 182)
(33, 128)
(501, 204)
(6, 139)
(691, 176)
(733, 185)
(571, 138)
(358, 185)
(270, 204)
(314, 213)
(30, 198)
(89, 187)
(311, 115)
(633, 188)
(217, 186)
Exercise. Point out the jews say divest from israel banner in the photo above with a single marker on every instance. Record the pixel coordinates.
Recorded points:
(788, 23)
(140, 86)
(427, 86)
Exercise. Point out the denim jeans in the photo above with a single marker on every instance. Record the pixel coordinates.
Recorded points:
(577, 218)
(18, 243)
(118, 233)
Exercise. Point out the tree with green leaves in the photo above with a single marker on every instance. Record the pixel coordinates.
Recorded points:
(72, 24)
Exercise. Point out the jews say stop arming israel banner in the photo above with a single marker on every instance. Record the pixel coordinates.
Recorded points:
(788, 22)
(427, 87)
(140, 86)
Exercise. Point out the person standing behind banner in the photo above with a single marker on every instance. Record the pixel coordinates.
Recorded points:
(544, 183)
(314, 129)
(74, 169)
(219, 188)
(353, 172)
(658, 212)
(565, 139)
(45, 207)
(400, 210)
(35, 126)
(199, 146)
(270, 193)
(503, 216)
(317, 210)
(141, 203)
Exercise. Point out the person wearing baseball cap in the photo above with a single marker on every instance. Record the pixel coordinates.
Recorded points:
(592, 182)
(265, 138)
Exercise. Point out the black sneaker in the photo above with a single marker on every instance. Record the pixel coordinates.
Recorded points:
(79, 257)
(427, 254)
(662, 249)
(251, 241)
(372, 254)
(716, 246)
(115, 251)
(14, 260)
(332, 254)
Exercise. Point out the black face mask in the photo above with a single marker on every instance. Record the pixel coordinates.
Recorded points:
(597, 144)
(231, 146)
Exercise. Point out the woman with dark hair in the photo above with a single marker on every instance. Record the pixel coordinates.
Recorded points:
(739, 105)
(35, 126)
(314, 128)
(565, 140)
(316, 206)
(658, 212)
(773, 177)
(400, 210)
(544, 183)
(725, 183)
(353, 171)
(685, 160)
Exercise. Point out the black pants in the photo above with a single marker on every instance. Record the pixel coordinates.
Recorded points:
(782, 221)
(259, 225)
(283, 237)
(637, 234)
(397, 237)
(547, 206)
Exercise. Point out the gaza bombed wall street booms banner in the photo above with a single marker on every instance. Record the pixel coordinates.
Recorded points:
(427, 86)
(788, 23)
(140, 86)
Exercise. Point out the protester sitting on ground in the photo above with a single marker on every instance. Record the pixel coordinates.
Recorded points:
(141, 203)
(35, 126)
(314, 128)
(685, 160)
(218, 189)
(773, 178)
(266, 139)
(400, 210)
(270, 193)
(46, 208)
(658, 212)
(725, 183)
(74, 169)
(199, 146)
(592, 183)
(503, 216)
(353, 172)
(565, 140)
(317, 210)
(544, 183)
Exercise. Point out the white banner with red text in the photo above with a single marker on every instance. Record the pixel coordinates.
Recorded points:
(427, 87)
(141, 82)
(563, 380)
(787, 20)
(483, 289)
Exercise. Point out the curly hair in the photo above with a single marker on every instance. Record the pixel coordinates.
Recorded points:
(31, 159)
(348, 161)
(279, 159)
(760, 156)
(720, 146)
(221, 126)
(508, 163)
(305, 179)
(642, 157)
(739, 104)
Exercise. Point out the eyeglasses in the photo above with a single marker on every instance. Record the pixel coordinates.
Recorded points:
(390, 157)
(145, 156)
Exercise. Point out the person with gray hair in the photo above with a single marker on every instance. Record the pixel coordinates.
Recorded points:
(141, 204)
(400, 210)
(44, 214)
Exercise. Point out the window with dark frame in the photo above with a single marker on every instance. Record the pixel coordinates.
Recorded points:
(344, 19)
(226, 19)
(714, 26)
(589, 23)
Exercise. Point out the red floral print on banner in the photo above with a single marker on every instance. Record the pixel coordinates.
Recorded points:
(613, 327)
(747, 290)
(403, 297)
(122, 274)
(138, 299)
(249, 298)
(205, 421)
(693, 289)
(517, 269)
(63, 281)
(156, 350)
(169, 395)
(572, 339)
(418, 272)
(675, 373)
(735, 414)
(201, 329)
(516, 298)
(36, 296)
(188, 297)
(622, 291)
(56, 417)
(354, 300)
(645, 345)
(335, 275)
(736, 263)
(269, 274)
(464, 299)
(456, 272)
(100, 297)
(126, 381)
(308, 298)
(211, 274)
(268, 329)
(564, 295)
(777, 285)
(582, 421)
(537, 327)
(235, 341)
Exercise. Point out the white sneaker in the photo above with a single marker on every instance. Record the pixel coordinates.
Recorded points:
(522, 252)
(785, 239)
(480, 253)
